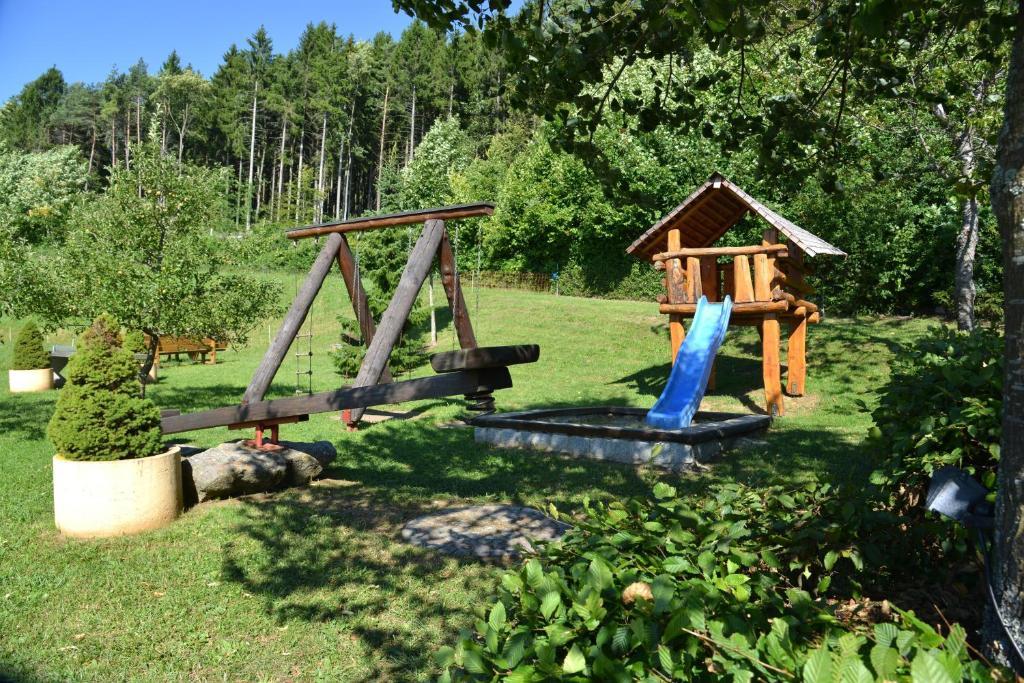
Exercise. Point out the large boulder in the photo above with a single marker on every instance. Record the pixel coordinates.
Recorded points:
(236, 469)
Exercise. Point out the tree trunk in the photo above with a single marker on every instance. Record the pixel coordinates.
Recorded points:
(280, 169)
(298, 176)
(154, 344)
(259, 181)
(319, 212)
(380, 154)
(348, 161)
(966, 246)
(113, 141)
(412, 127)
(92, 154)
(181, 134)
(252, 154)
(1008, 205)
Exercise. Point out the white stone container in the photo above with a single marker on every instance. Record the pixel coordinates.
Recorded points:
(93, 499)
(25, 381)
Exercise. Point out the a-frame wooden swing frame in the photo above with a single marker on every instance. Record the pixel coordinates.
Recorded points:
(480, 373)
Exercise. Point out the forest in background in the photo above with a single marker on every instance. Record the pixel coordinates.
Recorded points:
(339, 127)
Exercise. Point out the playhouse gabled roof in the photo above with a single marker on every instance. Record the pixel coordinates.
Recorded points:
(710, 211)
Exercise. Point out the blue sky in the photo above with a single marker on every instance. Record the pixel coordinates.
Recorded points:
(85, 39)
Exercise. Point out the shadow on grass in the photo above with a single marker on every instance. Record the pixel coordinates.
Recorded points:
(325, 554)
(25, 416)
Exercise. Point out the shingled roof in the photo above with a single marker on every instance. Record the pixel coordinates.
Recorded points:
(710, 211)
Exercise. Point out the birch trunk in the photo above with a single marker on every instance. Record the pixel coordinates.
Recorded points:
(181, 133)
(1008, 205)
(380, 154)
(966, 247)
(252, 154)
(298, 177)
(412, 127)
(92, 155)
(280, 168)
(319, 211)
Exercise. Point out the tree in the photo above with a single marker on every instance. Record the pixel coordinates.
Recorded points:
(1008, 202)
(258, 58)
(143, 252)
(24, 122)
(180, 93)
(569, 60)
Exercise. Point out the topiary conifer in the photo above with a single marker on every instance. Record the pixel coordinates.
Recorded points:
(100, 414)
(29, 353)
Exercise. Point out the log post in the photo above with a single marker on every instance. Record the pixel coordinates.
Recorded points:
(452, 284)
(796, 357)
(709, 278)
(770, 364)
(741, 279)
(694, 286)
(264, 374)
(674, 278)
(762, 278)
(391, 323)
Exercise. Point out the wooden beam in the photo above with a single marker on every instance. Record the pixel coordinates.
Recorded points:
(451, 281)
(264, 374)
(719, 251)
(770, 365)
(357, 295)
(741, 279)
(740, 308)
(796, 358)
(394, 318)
(780, 295)
(443, 213)
(448, 384)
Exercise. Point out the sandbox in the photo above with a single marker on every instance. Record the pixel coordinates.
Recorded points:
(618, 434)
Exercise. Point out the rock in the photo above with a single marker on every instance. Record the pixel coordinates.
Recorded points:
(232, 469)
(236, 469)
(302, 467)
(494, 532)
(323, 451)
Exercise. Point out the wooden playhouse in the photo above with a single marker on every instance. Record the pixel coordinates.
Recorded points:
(766, 281)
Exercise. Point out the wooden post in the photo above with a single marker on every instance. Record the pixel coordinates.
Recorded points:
(770, 367)
(394, 318)
(694, 288)
(452, 284)
(762, 278)
(264, 374)
(674, 276)
(797, 360)
(357, 295)
(741, 279)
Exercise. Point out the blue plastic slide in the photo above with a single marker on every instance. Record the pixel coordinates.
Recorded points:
(685, 389)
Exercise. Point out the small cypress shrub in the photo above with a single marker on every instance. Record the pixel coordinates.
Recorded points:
(29, 353)
(100, 414)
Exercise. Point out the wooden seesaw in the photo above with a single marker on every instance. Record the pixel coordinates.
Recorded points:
(475, 372)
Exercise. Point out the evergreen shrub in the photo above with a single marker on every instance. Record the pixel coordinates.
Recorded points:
(100, 414)
(29, 353)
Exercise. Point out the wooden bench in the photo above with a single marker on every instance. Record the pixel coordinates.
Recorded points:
(195, 348)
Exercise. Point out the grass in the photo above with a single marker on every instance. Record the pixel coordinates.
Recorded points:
(312, 584)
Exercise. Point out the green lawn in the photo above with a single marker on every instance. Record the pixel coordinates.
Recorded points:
(312, 584)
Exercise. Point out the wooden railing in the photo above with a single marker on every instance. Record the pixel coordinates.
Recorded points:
(760, 279)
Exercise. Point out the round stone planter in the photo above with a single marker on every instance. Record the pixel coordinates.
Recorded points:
(24, 381)
(93, 499)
